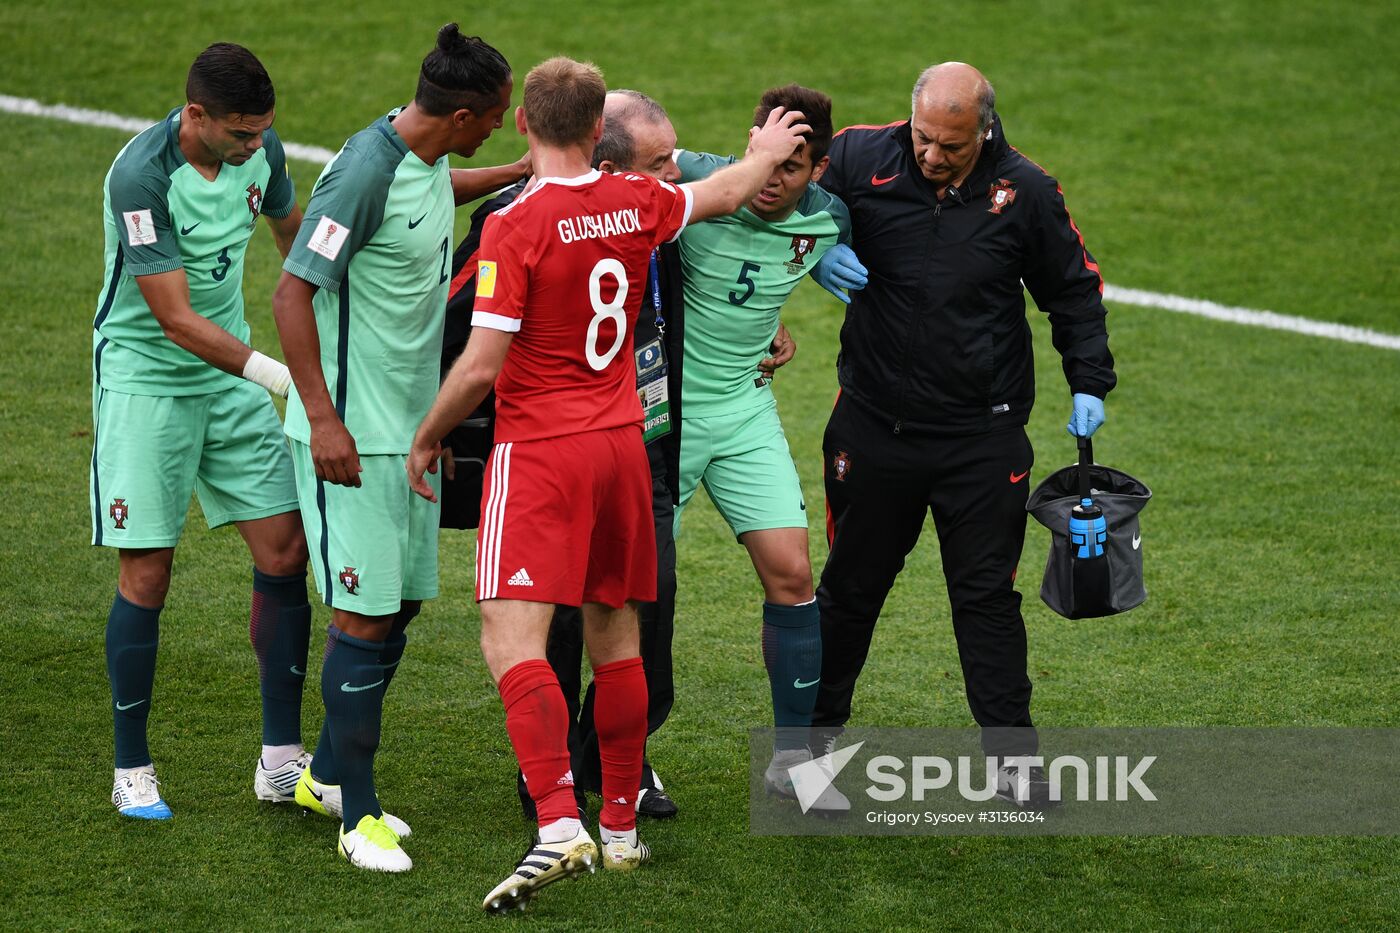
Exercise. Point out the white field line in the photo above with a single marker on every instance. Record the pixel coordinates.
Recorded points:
(33, 108)
(1114, 293)
(1270, 319)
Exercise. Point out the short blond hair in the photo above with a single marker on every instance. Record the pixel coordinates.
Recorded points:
(564, 100)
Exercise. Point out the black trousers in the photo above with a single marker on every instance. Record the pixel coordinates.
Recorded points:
(565, 648)
(879, 485)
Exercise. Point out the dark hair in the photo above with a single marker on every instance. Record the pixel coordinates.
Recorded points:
(227, 78)
(618, 145)
(563, 100)
(816, 113)
(461, 73)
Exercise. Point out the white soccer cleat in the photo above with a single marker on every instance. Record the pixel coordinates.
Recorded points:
(777, 780)
(623, 851)
(279, 785)
(544, 863)
(136, 793)
(325, 799)
(374, 846)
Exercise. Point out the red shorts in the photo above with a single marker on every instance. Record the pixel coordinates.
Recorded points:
(568, 520)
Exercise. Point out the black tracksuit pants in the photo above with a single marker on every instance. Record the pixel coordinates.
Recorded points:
(565, 649)
(879, 485)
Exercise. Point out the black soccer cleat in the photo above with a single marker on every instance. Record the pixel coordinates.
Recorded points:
(652, 800)
(1025, 788)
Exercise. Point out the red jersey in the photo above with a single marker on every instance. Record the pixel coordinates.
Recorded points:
(564, 268)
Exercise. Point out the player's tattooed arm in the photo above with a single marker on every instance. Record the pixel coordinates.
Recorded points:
(731, 188)
(332, 448)
(284, 229)
(468, 184)
(470, 378)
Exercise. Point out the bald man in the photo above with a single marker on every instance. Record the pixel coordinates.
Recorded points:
(937, 385)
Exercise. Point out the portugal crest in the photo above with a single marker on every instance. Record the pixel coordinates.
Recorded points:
(119, 513)
(350, 580)
(255, 198)
(1002, 194)
(841, 465)
(802, 244)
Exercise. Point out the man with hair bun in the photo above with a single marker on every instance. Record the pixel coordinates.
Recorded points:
(566, 514)
(180, 403)
(360, 311)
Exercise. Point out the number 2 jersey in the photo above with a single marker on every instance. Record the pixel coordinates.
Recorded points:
(563, 268)
(376, 238)
(159, 215)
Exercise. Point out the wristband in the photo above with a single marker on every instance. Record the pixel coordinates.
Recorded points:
(268, 373)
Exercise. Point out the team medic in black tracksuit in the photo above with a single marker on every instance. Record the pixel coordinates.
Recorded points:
(461, 508)
(937, 383)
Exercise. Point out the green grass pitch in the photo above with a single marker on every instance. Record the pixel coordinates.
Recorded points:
(1240, 151)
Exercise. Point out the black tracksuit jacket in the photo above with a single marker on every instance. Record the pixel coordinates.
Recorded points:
(938, 341)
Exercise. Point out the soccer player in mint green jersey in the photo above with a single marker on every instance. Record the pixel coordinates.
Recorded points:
(360, 309)
(181, 404)
(739, 270)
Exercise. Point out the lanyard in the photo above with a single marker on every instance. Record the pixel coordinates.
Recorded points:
(656, 295)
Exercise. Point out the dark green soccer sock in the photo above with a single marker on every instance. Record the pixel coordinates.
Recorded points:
(397, 640)
(133, 632)
(352, 687)
(792, 653)
(279, 627)
(323, 766)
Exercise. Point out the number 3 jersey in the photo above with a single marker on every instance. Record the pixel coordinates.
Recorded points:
(564, 268)
(377, 239)
(159, 215)
(739, 270)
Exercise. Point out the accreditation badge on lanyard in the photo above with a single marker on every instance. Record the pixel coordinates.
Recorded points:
(652, 389)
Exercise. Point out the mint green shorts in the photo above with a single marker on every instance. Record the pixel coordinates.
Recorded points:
(373, 545)
(744, 462)
(152, 452)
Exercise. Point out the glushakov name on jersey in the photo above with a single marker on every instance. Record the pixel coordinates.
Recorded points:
(597, 226)
(564, 269)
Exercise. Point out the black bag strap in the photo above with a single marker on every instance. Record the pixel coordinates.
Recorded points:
(1086, 460)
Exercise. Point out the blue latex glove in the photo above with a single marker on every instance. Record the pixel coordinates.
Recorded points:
(1088, 415)
(839, 268)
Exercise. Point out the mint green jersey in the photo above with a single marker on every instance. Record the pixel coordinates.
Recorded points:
(377, 240)
(739, 270)
(159, 215)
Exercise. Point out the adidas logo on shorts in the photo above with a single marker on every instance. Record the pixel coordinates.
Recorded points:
(520, 578)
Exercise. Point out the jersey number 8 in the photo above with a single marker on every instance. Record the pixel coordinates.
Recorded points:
(606, 311)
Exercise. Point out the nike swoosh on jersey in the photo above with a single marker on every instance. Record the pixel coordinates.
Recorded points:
(877, 181)
(349, 689)
(129, 705)
(414, 223)
(1017, 477)
(186, 231)
(1137, 542)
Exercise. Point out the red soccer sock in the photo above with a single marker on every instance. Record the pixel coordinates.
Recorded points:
(620, 716)
(538, 723)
